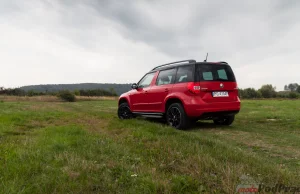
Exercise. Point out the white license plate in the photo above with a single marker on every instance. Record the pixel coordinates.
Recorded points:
(220, 94)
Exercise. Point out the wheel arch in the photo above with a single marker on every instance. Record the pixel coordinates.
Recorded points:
(122, 100)
(172, 100)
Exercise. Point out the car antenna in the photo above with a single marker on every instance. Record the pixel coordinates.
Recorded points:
(206, 57)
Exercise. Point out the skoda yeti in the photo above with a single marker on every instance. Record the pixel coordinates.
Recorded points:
(183, 92)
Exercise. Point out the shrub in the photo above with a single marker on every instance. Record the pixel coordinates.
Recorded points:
(293, 95)
(258, 94)
(283, 94)
(76, 92)
(67, 96)
(97, 92)
(268, 91)
(249, 93)
(298, 89)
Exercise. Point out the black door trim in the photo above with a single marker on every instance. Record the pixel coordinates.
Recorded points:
(149, 114)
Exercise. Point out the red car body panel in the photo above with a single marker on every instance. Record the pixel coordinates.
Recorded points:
(153, 99)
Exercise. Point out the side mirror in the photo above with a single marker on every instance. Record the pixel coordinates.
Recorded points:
(134, 86)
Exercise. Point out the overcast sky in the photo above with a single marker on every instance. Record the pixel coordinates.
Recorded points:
(107, 41)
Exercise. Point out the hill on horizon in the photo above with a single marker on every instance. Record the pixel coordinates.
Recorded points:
(118, 88)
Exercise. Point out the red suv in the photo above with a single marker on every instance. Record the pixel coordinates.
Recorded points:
(182, 92)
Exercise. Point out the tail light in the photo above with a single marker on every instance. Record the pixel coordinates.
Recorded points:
(194, 87)
(236, 87)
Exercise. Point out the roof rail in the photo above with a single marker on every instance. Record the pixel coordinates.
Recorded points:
(189, 61)
(223, 62)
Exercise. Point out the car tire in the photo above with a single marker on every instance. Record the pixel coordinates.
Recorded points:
(124, 111)
(176, 116)
(226, 120)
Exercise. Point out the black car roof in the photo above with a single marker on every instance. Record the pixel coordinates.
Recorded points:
(184, 63)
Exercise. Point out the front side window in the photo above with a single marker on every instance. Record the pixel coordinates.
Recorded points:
(166, 77)
(146, 81)
(184, 74)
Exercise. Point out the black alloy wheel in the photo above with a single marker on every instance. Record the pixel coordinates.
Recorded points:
(176, 116)
(124, 111)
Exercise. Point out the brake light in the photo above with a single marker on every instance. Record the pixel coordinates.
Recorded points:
(194, 87)
(236, 87)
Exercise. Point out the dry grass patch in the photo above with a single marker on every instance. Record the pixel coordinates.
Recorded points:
(95, 98)
(30, 99)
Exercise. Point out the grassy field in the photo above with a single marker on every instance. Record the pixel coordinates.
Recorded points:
(82, 147)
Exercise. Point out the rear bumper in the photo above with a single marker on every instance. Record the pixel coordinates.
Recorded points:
(212, 115)
(198, 108)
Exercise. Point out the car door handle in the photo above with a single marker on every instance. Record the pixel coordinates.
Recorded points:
(166, 90)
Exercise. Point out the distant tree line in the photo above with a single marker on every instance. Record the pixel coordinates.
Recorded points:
(97, 92)
(20, 92)
(12, 91)
(118, 88)
(269, 91)
(293, 87)
(291, 90)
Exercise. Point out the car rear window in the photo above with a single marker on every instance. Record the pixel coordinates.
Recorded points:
(214, 72)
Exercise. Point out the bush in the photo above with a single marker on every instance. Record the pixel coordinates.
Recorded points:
(76, 92)
(283, 94)
(293, 95)
(268, 91)
(67, 96)
(97, 92)
(249, 93)
(258, 94)
(298, 89)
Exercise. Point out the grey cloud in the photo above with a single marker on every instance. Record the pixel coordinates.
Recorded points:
(7, 7)
(232, 25)
(244, 33)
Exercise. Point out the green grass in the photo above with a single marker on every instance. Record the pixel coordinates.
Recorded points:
(82, 147)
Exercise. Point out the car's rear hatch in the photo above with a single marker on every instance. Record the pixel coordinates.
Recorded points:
(217, 82)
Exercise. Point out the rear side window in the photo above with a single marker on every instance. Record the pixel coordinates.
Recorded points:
(184, 74)
(214, 72)
(166, 77)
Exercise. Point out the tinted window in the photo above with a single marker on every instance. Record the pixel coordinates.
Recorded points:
(207, 76)
(166, 77)
(146, 81)
(222, 74)
(184, 74)
(214, 72)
